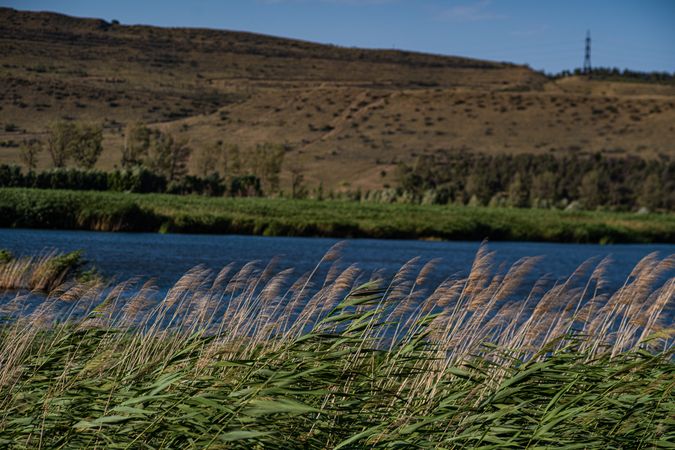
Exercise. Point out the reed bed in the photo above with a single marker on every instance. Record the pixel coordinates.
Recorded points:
(39, 273)
(256, 357)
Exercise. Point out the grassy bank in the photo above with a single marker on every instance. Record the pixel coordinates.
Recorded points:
(258, 359)
(109, 211)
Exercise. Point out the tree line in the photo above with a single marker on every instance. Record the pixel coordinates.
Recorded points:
(66, 141)
(156, 161)
(540, 181)
(616, 74)
(152, 161)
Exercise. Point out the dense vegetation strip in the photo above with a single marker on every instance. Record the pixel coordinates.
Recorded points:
(109, 211)
(154, 161)
(578, 181)
(616, 74)
(251, 358)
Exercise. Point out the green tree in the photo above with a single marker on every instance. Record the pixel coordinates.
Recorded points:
(61, 140)
(543, 187)
(28, 153)
(592, 190)
(651, 192)
(318, 193)
(136, 145)
(168, 156)
(265, 162)
(88, 145)
(298, 187)
(477, 188)
(207, 159)
(230, 161)
(245, 186)
(517, 192)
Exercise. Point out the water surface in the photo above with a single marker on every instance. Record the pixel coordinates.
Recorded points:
(165, 257)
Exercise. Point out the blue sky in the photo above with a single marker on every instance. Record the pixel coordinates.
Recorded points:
(638, 34)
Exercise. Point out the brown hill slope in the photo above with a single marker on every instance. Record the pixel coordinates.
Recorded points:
(349, 114)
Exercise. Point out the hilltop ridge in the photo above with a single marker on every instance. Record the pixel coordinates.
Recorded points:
(349, 115)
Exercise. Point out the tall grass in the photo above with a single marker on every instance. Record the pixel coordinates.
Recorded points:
(40, 273)
(257, 357)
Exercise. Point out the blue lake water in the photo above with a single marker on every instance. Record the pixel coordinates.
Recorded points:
(165, 257)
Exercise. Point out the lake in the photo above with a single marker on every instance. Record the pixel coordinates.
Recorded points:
(165, 257)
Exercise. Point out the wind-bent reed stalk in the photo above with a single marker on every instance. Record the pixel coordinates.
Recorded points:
(254, 358)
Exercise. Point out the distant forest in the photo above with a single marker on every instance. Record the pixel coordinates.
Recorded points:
(616, 74)
(540, 181)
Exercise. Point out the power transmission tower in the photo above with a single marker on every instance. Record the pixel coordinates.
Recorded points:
(587, 55)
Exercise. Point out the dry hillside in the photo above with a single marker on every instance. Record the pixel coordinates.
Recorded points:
(348, 114)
